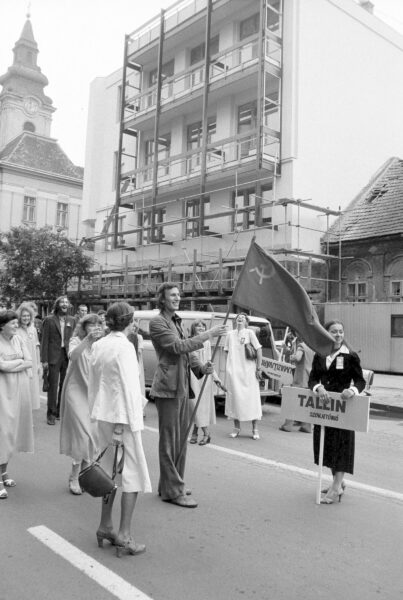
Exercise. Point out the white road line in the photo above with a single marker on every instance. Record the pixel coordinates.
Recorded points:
(103, 576)
(384, 493)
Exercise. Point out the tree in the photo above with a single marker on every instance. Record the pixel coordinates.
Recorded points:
(39, 263)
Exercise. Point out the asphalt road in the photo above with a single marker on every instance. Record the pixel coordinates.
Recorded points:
(257, 532)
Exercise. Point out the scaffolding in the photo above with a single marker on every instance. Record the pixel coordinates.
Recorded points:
(149, 185)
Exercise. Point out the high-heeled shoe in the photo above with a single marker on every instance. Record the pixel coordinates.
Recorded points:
(193, 439)
(325, 490)
(7, 482)
(332, 496)
(206, 439)
(235, 433)
(105, 535)
(255, 434)
(129, 546)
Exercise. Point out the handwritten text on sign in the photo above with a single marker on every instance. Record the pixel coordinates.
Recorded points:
(278, 370)
(304, 405)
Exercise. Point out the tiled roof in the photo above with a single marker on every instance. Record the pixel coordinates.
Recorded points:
(39, 153)
(377, 210)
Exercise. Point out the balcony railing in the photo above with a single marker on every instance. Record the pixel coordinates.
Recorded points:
(227, 63)
(220, 155)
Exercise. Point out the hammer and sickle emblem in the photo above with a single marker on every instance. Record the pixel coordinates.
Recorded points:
(260, 271)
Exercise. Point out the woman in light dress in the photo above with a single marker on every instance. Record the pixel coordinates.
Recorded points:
(205, 414)
(16, 427)
(28, 333)
(78, 434)
(242, 402)
(116, 403)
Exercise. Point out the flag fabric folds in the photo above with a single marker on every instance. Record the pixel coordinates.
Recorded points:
(268, 289)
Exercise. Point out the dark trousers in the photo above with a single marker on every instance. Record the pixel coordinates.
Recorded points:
(173, 421)
(57, 373)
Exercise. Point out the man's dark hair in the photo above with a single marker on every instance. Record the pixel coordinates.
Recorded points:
(168, 285)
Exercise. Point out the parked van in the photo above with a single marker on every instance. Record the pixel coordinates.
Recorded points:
(262, 328)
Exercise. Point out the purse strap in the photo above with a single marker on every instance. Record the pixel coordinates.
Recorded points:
(116, 468)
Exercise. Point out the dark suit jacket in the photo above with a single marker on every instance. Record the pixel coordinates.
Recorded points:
(51, 343)
(171, 378)
(337, 380)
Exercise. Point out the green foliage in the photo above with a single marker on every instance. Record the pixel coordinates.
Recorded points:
(39, 263)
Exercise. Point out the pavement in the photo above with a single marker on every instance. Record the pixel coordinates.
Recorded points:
(387, 393)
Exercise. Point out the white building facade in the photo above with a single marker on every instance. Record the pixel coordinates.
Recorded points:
(267, 115)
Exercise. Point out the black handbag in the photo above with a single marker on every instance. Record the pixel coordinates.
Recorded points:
(250, 352)
(95, 481)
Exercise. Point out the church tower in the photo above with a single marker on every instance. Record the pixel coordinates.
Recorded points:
(23, 104)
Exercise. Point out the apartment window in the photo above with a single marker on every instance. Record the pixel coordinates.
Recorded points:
(272, 102)
(192, 211)
(164, 151)
(396, 290)
(357, 292)
(247, 121)
(396, 326)
(243, 201)
(195, 140)
(167, 70)
(249, 26)
(273, 16)
(29, 212)
(62, 214)
(197, 53)
(145, 221)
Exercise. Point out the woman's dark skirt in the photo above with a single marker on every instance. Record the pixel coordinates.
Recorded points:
(338, 451)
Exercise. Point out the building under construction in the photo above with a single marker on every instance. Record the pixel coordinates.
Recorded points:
(215, 141)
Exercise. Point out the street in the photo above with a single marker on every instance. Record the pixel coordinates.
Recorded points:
(257, 532)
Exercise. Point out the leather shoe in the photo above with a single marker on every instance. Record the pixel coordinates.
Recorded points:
(185, 501)
(51, 420)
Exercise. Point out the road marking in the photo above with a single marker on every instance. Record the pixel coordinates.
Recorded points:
(384, 493)
(103, 576)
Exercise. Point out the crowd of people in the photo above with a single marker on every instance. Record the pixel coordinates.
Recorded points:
(92, 369)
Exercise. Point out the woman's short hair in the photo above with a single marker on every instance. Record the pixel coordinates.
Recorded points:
(194, 325)
(333, 322)
(119, 316)
(167, 285)
(25, 306)
(81, 327)
(6, 316)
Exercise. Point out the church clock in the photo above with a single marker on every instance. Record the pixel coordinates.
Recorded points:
(31, 105)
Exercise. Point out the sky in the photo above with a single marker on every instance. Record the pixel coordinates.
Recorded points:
(80, 40)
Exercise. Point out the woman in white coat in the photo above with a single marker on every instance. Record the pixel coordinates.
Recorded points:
(116, 403)
(242, 402)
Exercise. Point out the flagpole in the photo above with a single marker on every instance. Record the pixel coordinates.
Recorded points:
(320, 463)
(192, 418)
(185, 439)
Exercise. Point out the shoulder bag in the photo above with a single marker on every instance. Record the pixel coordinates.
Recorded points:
(95, 480)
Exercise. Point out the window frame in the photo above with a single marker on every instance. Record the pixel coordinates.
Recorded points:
(27, 208)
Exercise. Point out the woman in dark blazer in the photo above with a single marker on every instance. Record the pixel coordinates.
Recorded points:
(339, 372)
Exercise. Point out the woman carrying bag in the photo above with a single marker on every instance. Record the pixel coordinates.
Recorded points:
(116, 404)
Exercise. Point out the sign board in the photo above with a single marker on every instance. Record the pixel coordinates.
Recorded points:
(281, 371)
(301, 404)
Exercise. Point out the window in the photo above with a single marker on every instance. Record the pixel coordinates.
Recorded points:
(29, 212)
(193, 212)
(62, 214)
(164, 151)
(357, 292)
(28, 126)
(249, 26)
(396, 326)
(167, 70)
(273, 20)
(197, 53)
(244, 203)
(396, 290)
(247, 121)
(145, 221)
(195, 140)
